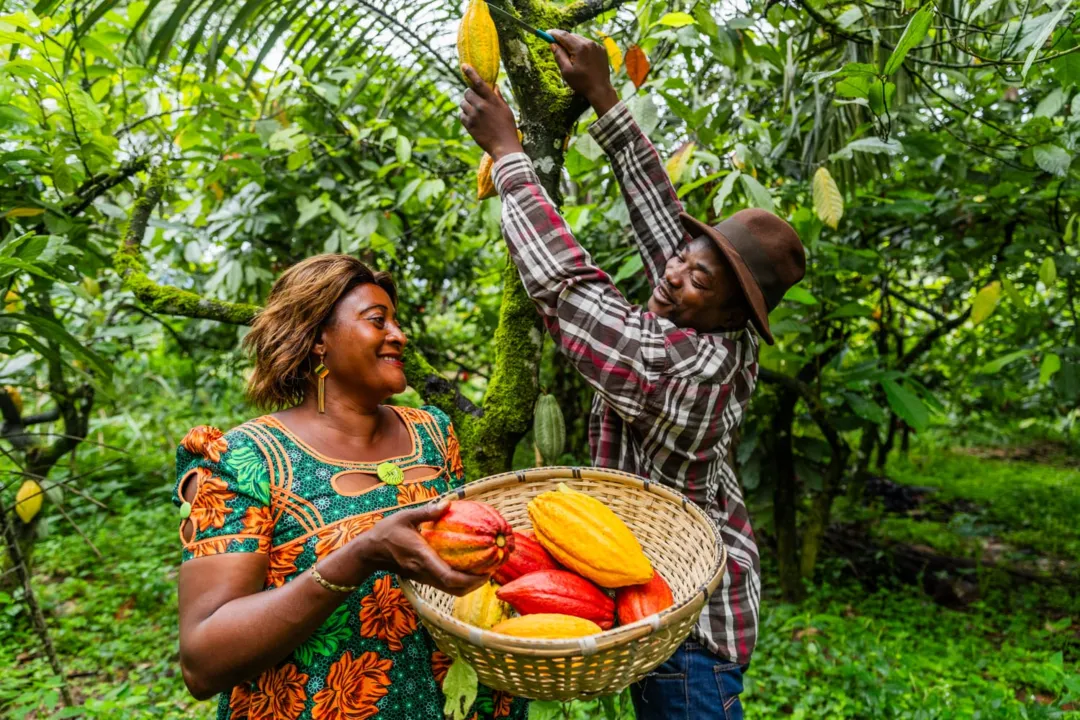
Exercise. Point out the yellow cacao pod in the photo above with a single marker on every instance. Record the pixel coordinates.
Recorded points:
(485, 185)
(28, 500)
(481, 607)
(585, 535)
(16, 397)
(478, 41)
(547, 625)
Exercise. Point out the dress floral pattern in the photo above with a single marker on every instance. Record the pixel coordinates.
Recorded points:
(260, 489)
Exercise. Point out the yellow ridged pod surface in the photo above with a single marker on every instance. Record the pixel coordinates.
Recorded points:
(481, 607)
(547, 625)
(478, 41)
(585, 535)
(485, 185)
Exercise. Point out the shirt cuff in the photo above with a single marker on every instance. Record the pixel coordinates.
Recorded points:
(615, 129)
(513, 170)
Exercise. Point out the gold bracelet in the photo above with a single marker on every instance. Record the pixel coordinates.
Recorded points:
(331, 586)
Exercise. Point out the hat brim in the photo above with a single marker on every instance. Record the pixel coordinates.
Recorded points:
(759, 311)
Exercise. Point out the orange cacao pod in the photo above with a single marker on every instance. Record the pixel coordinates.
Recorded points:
(527, 557)
(634, 602)
(547, 625)
(485, 185)
(559, 591)
(471, 537)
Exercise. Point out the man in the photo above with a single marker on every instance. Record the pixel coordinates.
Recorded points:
(673, 379)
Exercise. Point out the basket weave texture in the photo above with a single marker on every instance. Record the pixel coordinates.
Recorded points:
(680, 541)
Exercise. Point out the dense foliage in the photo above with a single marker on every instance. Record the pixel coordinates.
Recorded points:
(161, 163)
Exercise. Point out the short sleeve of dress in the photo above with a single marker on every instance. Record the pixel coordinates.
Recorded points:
(454, 466)
(230, 511)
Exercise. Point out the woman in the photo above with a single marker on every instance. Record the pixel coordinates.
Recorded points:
(297, 524)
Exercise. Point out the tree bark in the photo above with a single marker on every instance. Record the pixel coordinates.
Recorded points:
(785, 499)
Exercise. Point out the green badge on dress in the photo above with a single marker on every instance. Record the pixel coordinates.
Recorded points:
(390, 473)
(185, 510)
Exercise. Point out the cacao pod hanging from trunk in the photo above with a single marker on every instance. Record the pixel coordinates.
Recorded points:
(478, 41)
(549, 429)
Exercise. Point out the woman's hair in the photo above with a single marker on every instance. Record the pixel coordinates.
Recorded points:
(284, 332)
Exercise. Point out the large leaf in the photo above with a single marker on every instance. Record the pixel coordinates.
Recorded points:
(637, 65)
(615, 58)
(985, 302)
(913, 35)
(1048, 273)
(1052, 159)
(1044, 33)
(907, 405)
(865, 408)
(725, 190)
(1051, 363)
(459, 688)
(828, 203)
(677, 163)
(54, 331)
(868, 145)
(759, 196)
(995, 365)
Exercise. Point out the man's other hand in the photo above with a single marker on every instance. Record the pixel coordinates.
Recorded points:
(584, 66)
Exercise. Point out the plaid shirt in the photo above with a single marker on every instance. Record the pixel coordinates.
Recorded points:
(667, 398)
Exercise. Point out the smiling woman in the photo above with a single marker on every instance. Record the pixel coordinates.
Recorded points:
(297, 525)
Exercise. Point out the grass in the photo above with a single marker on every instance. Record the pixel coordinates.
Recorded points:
(844, 653)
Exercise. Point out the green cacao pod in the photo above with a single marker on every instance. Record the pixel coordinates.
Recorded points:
(549, 430)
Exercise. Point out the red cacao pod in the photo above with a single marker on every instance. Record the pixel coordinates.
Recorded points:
(528, 557)
(561, 592)
(471, 537)
(634, 602)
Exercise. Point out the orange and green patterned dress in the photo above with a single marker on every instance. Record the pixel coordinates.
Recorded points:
(263, 490)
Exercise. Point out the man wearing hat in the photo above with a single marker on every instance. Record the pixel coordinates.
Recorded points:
(674, 378)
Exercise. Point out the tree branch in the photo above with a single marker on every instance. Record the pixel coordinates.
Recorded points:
(911, 303)
(582, 11)
(97, 186)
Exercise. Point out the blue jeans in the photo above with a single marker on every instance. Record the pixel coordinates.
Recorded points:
(693, 684)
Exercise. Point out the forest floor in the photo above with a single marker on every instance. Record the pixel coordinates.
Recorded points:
(993, 633)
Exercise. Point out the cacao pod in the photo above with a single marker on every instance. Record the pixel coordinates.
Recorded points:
(560, 592)
(549, 430)
(547, 625)
(471, 537)
(584, 534)
(634, 602)
(528, 557)
(28, 500)
(485, 185)
(481, 607)
(16, 397)
(478, 41)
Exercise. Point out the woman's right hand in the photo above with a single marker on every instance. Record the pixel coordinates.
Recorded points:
(395, 544)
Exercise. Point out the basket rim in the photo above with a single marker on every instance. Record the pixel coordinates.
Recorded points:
(594, 643)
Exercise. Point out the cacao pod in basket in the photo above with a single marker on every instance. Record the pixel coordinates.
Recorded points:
(585, 535)
(471, 537)
(481, 607)
(528, 557)
(547, 625)
(634, 602)
(560, 592)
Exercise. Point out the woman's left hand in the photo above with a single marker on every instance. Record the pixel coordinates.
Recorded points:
(488, 118)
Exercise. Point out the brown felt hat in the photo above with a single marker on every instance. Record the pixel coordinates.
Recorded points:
(765, 253)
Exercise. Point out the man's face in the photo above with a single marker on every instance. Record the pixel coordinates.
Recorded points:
(699, 289)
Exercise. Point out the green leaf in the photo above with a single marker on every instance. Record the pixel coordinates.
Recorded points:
(799, 295)
(985, 302)
(865, 408)
(87, 112)
(1013, 294)
(630, 267)
(759, 196)
(1044, 33)
(907, 405)
(996, 365)
(403, 149)
(1051, 363)
(460, 688)
(54, 331)
(851, 309)
(328, 638)
(251, 475)
(677, 19)
(828, 202)
(1052, 159)
(1050, 105)
(1048, 273)
(869, 145)
(724, 191)
(913, 35)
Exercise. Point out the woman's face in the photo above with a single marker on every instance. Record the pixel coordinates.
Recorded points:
(364, 344)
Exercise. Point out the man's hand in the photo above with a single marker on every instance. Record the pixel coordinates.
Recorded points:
(584, 67)
(488, 118)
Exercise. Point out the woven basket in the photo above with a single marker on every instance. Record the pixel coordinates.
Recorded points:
(679, 540)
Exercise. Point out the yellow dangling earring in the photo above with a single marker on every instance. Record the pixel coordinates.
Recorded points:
(321, 372)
